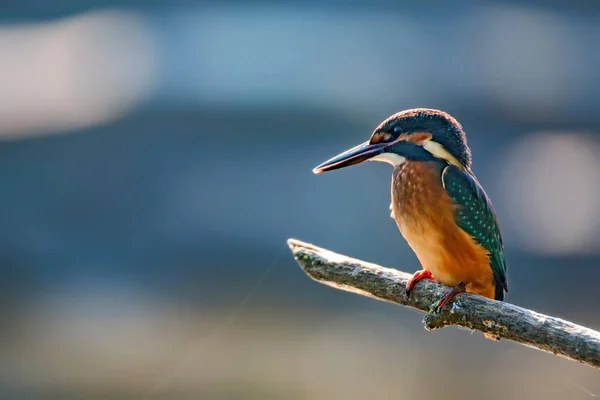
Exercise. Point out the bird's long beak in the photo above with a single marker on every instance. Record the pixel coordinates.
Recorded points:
(355, 155)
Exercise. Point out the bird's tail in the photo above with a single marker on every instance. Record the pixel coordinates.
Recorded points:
(499, 292)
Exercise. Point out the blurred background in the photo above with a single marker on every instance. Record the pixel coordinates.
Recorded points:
(155, 156)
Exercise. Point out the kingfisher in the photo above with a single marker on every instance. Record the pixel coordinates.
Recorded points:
(437, 202)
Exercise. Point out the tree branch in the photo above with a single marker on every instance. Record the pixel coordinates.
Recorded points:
(495, 318)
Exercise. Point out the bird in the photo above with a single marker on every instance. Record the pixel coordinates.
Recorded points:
(439, 206)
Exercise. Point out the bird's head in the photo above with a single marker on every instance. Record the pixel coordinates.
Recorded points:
(416, 134)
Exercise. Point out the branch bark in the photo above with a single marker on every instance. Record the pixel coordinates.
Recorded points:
(495, 318)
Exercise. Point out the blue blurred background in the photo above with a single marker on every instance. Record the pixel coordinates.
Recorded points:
(155, 157)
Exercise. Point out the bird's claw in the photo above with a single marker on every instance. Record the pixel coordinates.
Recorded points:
(417, 276)
(434, 308)
(448, 297)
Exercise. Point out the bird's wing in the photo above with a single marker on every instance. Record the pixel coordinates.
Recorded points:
(476, 216)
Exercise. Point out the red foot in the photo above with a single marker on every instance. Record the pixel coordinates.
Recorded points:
(450, 295)
(417, 276)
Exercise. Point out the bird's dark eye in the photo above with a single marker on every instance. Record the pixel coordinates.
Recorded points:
(397, 130)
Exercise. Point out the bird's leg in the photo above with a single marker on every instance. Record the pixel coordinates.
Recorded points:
(436, 307)
(417, 276)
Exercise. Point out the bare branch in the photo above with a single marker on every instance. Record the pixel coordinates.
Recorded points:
(494, 318)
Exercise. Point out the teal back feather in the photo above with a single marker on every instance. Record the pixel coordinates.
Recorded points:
(476, 216)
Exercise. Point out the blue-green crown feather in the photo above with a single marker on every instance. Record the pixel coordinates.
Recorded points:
(444, 128)
(476, 216)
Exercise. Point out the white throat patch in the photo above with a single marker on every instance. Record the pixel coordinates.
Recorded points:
(390, 158)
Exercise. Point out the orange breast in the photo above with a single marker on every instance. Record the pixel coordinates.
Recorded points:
(425, 216)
